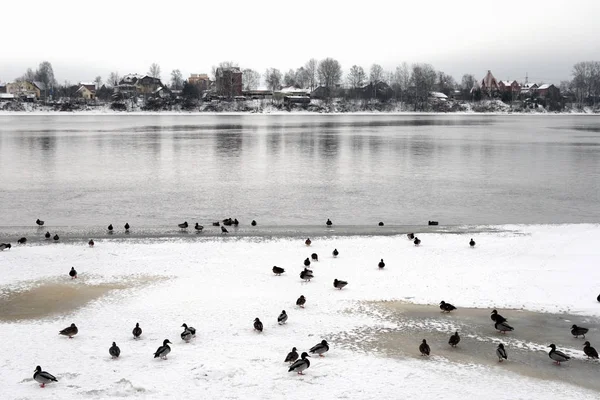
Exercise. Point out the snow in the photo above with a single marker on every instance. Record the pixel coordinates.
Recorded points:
(219, 285)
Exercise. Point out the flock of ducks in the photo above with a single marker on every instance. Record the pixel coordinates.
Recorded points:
(502, 326)
(301, 363)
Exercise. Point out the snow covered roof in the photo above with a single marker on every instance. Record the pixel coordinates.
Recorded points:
(506, 83)
(40, 85)
(87, 83)
(529, 85)
(438, 95)
(292, 89)
(489, 81)
(545, 86)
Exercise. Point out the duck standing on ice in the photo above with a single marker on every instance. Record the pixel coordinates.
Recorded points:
(579, 331)
(283, 317)
(424, 348)
(337, 253)
(300, 365)
(39, 222)
(43, 377)
(114, 351)
(258, 325)
(381, 264)
(320, 348)
(417, 241)
(454, 339)
(292, 356)
(328, 223)
(307, 242)
(137, 331)
(446, 307)
(69, 331)
(47, 235)
(307, 274)
(557, 356)
(278, 270)
(339, 284)
(164, 350)
(307, 262)
(73, 273)
(501, 353)
(590, 351)
(301, 301)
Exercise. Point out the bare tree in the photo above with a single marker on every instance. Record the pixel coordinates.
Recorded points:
(176, 79)
(302, 78)
(446, 83)
(467, 82)
(401, 80)
(289, 79)
(29, 75)
(273, 78)
(98, 81)
(154, 71)
(376, 73)
(586, 81)
(356, 77)
(250, 79)
(45, 74)
(423, 78)
(330, 72)
(113, 79)
(312, 73)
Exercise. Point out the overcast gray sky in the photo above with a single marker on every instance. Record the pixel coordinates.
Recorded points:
(86, 38)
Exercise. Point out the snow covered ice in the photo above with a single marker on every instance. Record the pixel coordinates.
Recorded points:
(219, 285)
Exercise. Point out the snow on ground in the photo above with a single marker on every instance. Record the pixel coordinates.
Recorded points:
(219, 285)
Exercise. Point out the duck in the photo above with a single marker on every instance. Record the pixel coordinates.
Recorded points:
(198, 227)
(307, 242)
(23, 240)
(47, 235)
(424, 348)
(301, 301)
(314, 257)
(292, 356)
(472, 243)
(110, 228)
(39, 222)
(590, 351)
(598, 298)
(300, 365)
(307, 274)
(337, 253)
(307, 262)
(258, 325)
(381, 264)
(73, 273)
(381, 223)
(5, 246)
(503, 327)
(446, 307)
(224, 230)
(579, 331)
(183, 226)
(253, 223)
(236, 222)
(432, 223)
(417, 241)
(501, 353)
(189, 328)
(328, 223)
(137, 331)
(69, 331)
(282, 319)
(227, 222)
(497, 317)
(320, 348)
(410, 236)
(91, 243)
(164, 350)
(278, 270)
(557, 356)
(127, 226)
(43, 377)
(114, 351)
(454, 339)
(186, 335)
(56, 237)
(339, 284)
(216, 223)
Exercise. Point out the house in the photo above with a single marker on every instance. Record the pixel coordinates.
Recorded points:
(148, 84)
(489, 84)
(228, 82)
(528, 89)
(130, 79)
(200, 80)
(257, 94)
(321, 92)
(84, 92)
(378, 90)
(29, 90)
(437, 96)
(509, 87)
(549, 92)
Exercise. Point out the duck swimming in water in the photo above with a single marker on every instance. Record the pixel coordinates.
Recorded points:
(590, 351)
(578, 331)
(339, 284)
(278, 270)
(292, 356)
(183, 226)
(381, 224)
(501, 353)
(137, 331)
(301, 301)
(424, 348)
(69, 331)
(446, 307)
(320, 348)
(164, 350)
(110, 228)
(557, 356)
(56, 237)
(23, 240)
(328, 223)
(43, 377)
(253, 223)
(300, 365)
(224, 230)
(126, 226)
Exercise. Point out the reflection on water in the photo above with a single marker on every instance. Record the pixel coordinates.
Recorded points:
(299, 170)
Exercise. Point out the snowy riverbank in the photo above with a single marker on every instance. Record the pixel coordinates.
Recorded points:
(219, 285)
